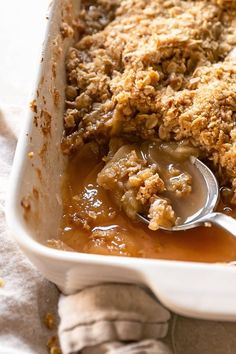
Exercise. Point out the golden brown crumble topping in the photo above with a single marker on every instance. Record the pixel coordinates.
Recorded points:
(154, 69)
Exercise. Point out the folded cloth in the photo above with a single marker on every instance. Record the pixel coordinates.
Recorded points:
(148, 346)
(108, 318)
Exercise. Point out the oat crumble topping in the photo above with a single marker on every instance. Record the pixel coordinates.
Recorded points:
(153, 69)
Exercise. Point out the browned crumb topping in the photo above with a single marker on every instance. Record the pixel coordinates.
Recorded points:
(66, 30)
(30, 154)
(137, 186)
(53, 342)
(53, 345)
(33, 106)
(131, 181)
(25, 203)
(45, 122)
(178, 182)
(49, 321)
(226, 3)
(161, 214)
(148, 69)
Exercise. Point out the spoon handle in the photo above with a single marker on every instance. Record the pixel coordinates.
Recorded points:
(224, 221)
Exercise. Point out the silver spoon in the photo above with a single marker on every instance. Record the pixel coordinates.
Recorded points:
(206, 216)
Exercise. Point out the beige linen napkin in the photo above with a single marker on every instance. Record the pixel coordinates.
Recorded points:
(95, 319)
(104, 318)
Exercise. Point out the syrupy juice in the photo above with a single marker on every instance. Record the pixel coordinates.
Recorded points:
(92, 223)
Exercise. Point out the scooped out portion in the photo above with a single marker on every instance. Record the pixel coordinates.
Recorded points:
(93, 222)
(152, 179)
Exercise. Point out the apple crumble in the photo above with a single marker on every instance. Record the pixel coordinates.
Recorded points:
(146, 73)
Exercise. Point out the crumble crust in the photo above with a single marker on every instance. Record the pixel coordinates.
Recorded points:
(148, 69)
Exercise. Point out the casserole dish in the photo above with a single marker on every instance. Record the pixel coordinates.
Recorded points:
(34, 206)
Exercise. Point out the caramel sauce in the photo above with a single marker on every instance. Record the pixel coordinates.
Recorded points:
(91, 223)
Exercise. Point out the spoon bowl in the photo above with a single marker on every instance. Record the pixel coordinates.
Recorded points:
(206, 216)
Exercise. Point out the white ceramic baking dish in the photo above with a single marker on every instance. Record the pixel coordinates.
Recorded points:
(34, 207)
